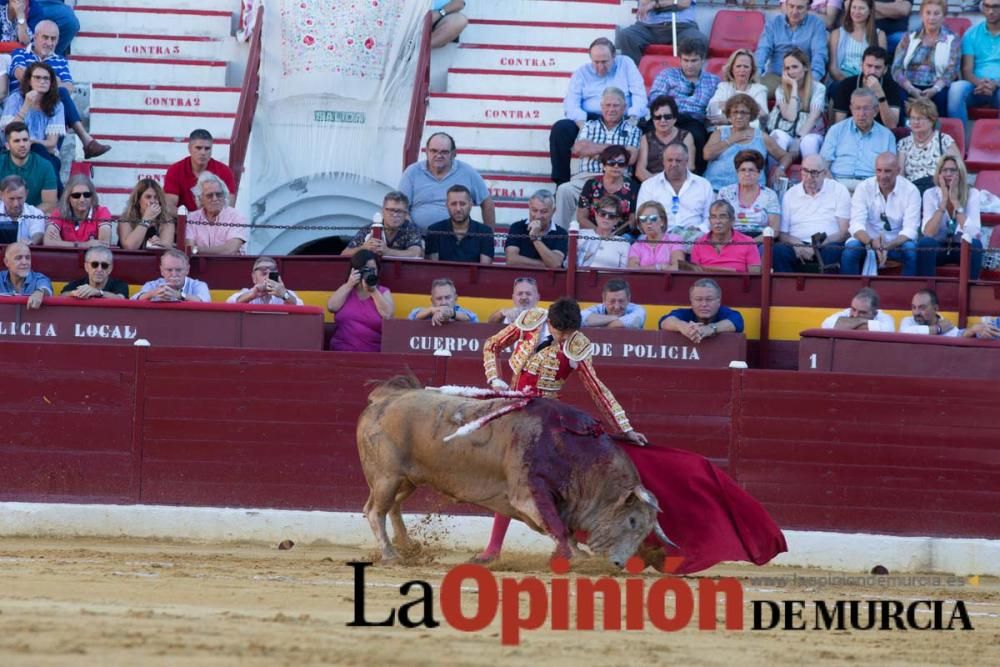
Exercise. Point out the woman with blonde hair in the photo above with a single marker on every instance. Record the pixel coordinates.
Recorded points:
(951, 212)
(738, 76)
(145, 221)
(796, 121)
(79, 221)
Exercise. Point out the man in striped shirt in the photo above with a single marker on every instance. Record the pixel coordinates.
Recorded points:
(596, 135)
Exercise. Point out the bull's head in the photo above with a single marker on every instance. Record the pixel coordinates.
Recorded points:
(621, 528)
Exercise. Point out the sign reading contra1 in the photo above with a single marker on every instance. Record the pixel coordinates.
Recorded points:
(621, 346)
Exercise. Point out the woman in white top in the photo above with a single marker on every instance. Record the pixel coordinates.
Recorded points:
(951, 212)
(600, 248)
(796, 121)
(738, 76)
(848, 43)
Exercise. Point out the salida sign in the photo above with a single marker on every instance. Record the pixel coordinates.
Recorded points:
(529, 603)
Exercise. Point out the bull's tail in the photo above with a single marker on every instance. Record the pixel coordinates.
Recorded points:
(397, 383)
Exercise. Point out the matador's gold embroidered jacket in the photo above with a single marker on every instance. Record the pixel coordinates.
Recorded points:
(545, 372)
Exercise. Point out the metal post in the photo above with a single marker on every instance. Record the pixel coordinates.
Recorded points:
(763, 352)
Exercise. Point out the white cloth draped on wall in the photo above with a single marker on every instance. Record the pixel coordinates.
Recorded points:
(336, 80)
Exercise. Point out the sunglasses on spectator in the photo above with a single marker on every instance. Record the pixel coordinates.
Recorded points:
(886, 225)
(663, 116)
(615, 163)
(100, 265)
(81, 195)
(614, 215)
(652, 217)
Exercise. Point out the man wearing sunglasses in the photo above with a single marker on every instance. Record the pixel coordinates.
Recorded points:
(596, 135)
(885, 217)
(98, 284)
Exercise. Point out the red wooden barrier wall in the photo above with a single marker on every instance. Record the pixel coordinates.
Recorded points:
(276, 429)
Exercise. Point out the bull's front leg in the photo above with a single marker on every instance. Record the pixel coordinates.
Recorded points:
(548, 517)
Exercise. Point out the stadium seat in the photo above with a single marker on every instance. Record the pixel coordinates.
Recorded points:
(734, 29)
(650, 66)
(990, 180)
(953, 127)
(715, 65)
(958, 25)
(984, 145)
(975, 113)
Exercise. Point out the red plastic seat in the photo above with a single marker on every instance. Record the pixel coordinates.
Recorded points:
(953, 128)
(984, 145)
(659, 50)
(958, 25)
(734, 29)
(715, 65)
(650, 66)
(975, 113)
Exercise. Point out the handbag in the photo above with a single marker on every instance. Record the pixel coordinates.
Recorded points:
(925, 183)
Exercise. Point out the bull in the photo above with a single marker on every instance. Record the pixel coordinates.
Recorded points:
(546, 464)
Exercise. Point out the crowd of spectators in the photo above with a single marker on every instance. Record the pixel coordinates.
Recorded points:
(692, 180)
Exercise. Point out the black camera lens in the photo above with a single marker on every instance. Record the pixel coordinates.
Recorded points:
(370, 278)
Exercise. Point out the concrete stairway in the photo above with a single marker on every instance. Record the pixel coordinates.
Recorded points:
(156, 73)
(506, 84)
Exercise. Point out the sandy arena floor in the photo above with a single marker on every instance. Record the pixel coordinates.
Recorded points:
(132, 602)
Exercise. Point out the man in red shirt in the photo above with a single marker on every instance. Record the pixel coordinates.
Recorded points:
(182, 175)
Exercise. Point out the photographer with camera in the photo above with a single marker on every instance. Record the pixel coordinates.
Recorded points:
(359, 306)
(268, 287)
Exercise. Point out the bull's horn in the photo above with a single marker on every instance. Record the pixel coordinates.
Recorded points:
(647, 497)
(658, 530)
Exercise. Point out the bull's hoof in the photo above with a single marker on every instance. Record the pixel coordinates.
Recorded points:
(484, 558)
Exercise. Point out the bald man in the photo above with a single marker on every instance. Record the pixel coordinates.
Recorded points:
(20, 280)
(885, 217)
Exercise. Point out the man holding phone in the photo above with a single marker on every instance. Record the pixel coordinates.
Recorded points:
(268, 287)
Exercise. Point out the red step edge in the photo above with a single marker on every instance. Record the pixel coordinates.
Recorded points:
(153, 10)
(499, 98)
(504, 72)
(514, 47)
(124, 35)
(155, 87)
(544, 24)
(497, 126)
(150, 139)
(150, 61)
(157, 112)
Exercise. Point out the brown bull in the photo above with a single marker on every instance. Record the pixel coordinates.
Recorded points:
(548, 464)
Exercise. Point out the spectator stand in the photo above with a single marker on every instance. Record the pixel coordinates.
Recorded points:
(155, 74)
